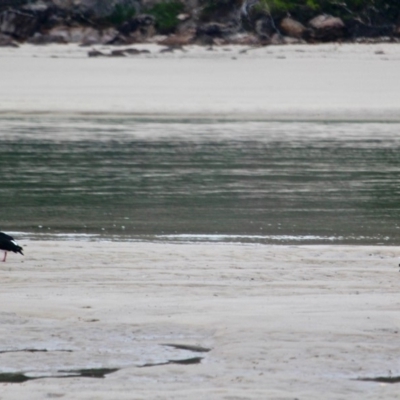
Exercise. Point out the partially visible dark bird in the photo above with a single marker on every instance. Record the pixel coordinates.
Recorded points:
(8, 243)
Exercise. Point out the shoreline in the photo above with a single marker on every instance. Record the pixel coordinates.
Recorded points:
(338, 116)
(209, 239)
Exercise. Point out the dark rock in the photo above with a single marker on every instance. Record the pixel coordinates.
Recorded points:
(53, 20)
(265, 27)
(167, 50)
(46, 15)
(215, 29)
(171, 49)
(122, 40)
(214, 33)
(96, 53)
(137, 29)
(7, 4)
(41, 39)
(18, 24)
(327, 28)
(292, 27)
(142, 23)
(96, 9)
(357, 28)
(7, 41)
(132, 51)
(85, 35)
(118, 53)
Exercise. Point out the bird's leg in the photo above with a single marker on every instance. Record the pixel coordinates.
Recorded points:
(5, 256)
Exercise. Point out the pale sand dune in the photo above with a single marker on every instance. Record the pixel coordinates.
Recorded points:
(283, 322)
(341, 82)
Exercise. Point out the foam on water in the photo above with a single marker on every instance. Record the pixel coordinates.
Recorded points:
(202, 238)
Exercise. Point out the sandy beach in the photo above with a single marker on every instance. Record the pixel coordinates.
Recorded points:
(280, 322)
(302, 82)
(209, 320)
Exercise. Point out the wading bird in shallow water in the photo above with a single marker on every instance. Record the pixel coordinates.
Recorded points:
(7, 243)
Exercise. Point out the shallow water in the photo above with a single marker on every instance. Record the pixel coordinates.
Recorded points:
(192, 180)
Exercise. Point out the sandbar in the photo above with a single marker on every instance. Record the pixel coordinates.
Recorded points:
(345, 82)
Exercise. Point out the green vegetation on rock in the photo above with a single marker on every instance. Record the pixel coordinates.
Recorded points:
(121, 14)
(166, 14)
(217, 9)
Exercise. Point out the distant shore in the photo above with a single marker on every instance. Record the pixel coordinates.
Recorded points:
(347, 82)
(177, 23)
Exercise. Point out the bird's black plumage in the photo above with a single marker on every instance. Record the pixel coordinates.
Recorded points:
(8, 243)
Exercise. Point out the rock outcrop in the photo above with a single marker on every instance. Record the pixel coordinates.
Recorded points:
(138, 28)
(293, 28)
(357, 28)
(18, 24)
(177, 23)
(7, 41)
(96, 8)
(207, 33)
(327, 28)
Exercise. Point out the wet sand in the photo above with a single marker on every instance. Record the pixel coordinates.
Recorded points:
(281, 322)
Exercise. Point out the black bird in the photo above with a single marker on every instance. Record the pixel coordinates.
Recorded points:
(7, 243)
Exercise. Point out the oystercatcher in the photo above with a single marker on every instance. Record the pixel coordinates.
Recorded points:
(7, 243)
